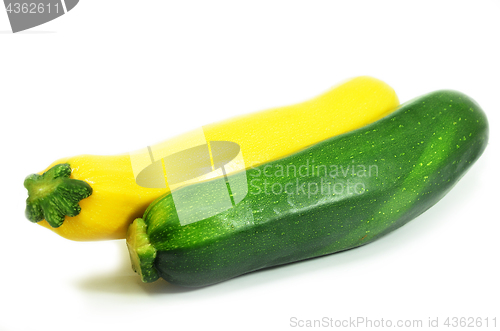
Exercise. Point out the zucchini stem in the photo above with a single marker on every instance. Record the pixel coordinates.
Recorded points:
(53, 195)
(142, 253)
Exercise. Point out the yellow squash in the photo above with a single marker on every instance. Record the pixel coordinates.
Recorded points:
(117, 199)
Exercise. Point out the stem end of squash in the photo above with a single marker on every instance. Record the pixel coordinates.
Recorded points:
(142, 253)
(53, 195)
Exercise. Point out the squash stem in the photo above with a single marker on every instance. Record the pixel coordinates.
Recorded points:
(53, 195)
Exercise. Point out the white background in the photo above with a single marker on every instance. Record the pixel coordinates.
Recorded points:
(114, 76)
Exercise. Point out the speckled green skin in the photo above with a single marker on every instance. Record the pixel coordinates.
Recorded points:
(420, 151)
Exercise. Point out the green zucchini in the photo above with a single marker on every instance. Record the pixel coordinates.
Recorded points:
(339, 194)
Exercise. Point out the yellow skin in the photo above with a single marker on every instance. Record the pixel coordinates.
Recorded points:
(268, 135)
